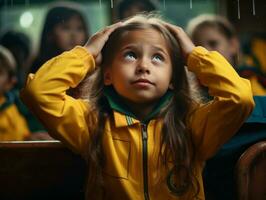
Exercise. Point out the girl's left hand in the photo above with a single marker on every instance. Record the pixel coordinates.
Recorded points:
(184, 41)
(97, 41)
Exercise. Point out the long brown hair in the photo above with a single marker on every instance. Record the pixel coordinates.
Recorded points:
(175, 135)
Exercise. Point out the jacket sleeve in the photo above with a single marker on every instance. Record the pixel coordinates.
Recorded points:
(65, 118)
(212, 124)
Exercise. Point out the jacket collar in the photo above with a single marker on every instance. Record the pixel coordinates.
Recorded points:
(6, 100)
(123, 116)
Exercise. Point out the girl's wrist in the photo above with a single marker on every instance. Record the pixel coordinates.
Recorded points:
(188, 53)
(89, 50)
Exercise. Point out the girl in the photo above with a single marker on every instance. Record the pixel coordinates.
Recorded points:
(217, 34)
(143, 135)
(64, 28)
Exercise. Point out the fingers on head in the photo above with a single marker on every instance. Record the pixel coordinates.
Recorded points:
(111, 28)
(175, 30)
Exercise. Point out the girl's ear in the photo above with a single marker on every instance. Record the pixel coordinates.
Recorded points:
(171, 87)
(107, 78)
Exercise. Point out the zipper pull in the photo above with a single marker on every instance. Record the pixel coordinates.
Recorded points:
(144, 131)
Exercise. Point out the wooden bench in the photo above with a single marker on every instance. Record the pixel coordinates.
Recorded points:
(251, 173)
(40, 170)
(47, 170)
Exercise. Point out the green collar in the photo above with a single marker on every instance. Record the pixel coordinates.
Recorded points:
(9, 100)
(117, 103)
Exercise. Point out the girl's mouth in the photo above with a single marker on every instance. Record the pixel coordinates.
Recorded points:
(144, 81)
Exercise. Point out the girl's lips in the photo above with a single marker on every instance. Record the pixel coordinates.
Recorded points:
(142, 85)
(143, 81)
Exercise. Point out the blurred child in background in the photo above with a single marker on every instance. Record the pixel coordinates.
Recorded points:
(12, 124)
(19, 45)
(254, 62)
(128, 8)
(64, 28)
(217, 34)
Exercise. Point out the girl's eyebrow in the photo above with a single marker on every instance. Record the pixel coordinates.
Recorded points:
(129, 46)
(136, 46)
(159, 48)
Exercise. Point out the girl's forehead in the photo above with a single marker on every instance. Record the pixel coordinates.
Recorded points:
(143, 36)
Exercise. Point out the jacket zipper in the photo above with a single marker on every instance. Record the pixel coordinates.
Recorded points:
(145, 160)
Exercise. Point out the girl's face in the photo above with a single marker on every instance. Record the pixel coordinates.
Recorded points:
(213, 40)
(141, 70)
(68, 34)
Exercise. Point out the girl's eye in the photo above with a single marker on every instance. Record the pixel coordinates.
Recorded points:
(131, 56)
(158, 58)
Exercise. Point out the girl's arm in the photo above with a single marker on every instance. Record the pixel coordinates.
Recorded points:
(65, 118)
(214, 123)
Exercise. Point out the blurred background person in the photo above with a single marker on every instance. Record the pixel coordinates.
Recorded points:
(13, 126)
(64, 28)
(127, 8)
(19, 45)
(216, 33)
(253, 66)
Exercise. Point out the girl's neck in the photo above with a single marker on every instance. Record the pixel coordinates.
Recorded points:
(141, 110)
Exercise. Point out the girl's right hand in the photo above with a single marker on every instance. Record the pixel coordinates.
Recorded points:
(184, 41)
(97, 41)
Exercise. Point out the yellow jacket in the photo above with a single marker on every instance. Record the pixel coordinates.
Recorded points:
(68, 119)
(13, 126)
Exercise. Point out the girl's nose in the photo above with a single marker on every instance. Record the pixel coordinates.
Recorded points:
(143, 66)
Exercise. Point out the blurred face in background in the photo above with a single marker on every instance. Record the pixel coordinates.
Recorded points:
(213, 40)
(136, 8)
(6, 82)
(69, 34)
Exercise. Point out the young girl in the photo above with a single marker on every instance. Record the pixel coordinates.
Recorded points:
(217, 34)
(143, 135)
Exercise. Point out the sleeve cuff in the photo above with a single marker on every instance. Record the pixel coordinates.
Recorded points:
(194, 57)
(83, 53)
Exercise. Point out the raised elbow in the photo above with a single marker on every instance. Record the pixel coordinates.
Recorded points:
(31, 92)
(244, 100)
